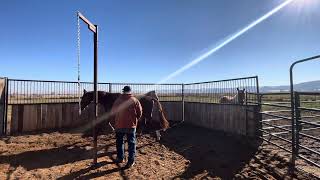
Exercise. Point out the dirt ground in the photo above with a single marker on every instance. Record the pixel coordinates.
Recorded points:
(184, 152)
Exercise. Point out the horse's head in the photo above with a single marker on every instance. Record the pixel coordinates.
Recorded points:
(86, 99)
(241, 95)
(152, 94)
(152, 108)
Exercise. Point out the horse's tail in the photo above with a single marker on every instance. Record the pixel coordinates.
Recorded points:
(164, 123)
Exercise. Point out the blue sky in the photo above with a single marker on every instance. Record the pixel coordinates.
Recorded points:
(144, 41)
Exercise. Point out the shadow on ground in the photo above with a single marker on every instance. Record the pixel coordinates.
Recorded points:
(51, 157)
(215, 153)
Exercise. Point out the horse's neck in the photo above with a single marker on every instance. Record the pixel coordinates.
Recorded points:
(108, 99)
(152, 94)
(235, 98)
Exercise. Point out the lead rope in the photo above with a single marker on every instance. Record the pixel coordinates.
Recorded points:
(78, 57)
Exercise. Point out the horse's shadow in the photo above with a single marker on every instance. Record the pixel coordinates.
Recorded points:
(209, 152)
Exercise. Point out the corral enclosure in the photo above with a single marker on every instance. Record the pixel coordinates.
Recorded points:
(40, 105)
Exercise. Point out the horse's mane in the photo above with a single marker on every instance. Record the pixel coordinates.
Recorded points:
(164, 123)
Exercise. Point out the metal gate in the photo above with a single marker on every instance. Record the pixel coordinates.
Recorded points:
(305, 114)
(291, 121)
(275, 112)
(3, 105)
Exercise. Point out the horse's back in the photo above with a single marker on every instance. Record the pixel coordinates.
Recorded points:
(226, 99)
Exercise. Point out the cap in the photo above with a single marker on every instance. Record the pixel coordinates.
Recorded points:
(126, 89)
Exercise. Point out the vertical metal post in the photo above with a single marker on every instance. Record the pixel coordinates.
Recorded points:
(3, 104)
(110, 87)
(6, 106)
(297, 119)
(246, 108)
(182, 85)
(95, 85)
(293, 128)
(257, 85)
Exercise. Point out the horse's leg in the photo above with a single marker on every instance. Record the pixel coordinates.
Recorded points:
(158, 135)
(141, 125)
(146, 125)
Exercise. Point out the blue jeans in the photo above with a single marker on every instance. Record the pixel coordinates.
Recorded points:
(131, 138)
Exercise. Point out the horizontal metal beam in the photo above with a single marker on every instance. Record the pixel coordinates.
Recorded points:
(27, 80)
(309, 136)
(308, 160)
(284, 129)
(91, 26)
(309, 117)
(310, 123)
(271, 93)
(308, 149)
(274, 135)
(310, 129)
(307, 102)
(151, 84)
(309, 109)
(284, 126)
(277, 111)
(274, 119)
(251, 77)
(269, 104)
(275, 144)
(276, 116)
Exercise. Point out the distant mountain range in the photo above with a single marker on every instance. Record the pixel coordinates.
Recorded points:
(306, 86)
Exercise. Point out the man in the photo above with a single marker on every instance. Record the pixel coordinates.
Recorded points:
(127, 111)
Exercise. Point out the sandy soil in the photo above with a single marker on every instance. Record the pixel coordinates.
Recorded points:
(184, 152)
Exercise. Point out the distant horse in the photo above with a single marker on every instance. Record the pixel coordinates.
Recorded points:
(148, 103)
(236, 99)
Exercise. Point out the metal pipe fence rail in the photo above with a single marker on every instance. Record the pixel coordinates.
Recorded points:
(307, 116)
(276, 119)
(212, 91)
(36, 91)
(277, 123)
(45, 92)
(166, 92)
(43, 99)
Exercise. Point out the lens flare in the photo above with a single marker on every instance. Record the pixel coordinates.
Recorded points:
(227, 41)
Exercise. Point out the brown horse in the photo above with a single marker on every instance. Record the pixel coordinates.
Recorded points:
(236, 99)
(148, 103)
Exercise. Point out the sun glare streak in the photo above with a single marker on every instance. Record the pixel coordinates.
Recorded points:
(202, 57)
(227, 41)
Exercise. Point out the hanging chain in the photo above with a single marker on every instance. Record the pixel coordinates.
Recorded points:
(78, 56)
